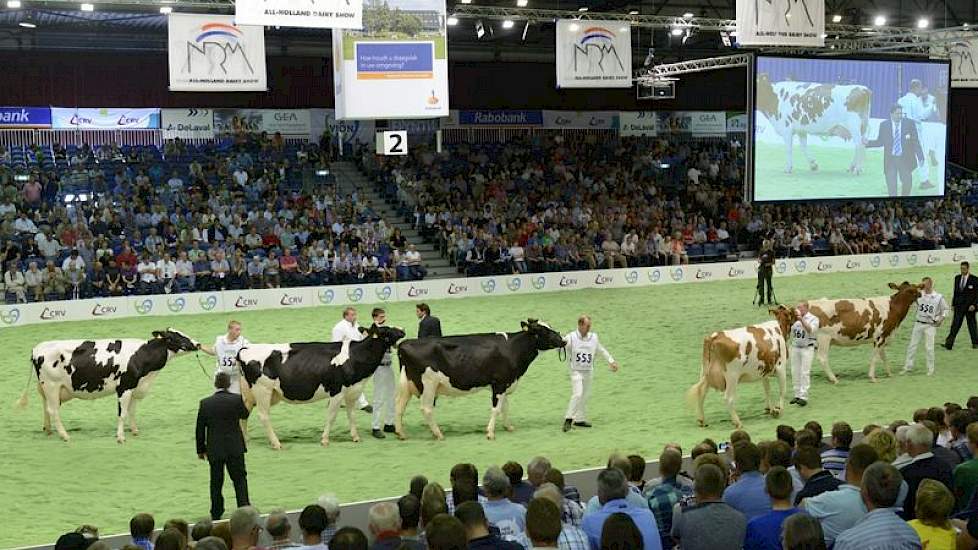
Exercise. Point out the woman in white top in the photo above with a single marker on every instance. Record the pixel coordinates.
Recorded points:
(226, 348)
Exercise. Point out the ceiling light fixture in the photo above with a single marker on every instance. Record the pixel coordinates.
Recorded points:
(923, 23)
(27, 25)
(574, 27)
(879, 21)
(165, 10)
(582, 9)
(521, 3)
(452, 21)
(633, 12)
(508, 24)
(836, 18)
(13, 4)
(676, 31)
(688, 15)
(88, 7)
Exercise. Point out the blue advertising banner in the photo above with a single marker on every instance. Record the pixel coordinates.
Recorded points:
(500, 118)
(386, 60)
(25, 117)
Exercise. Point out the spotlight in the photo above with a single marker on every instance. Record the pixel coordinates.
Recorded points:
(166, 10)
(633, 12)
(13, 4)
(452, 21)
(879, 21)
(836, 18)
(480, 29)
(521, 3)
(688, 15)
(466, 1)
(923, 23)
(676, 31)
(88, 7)
(27, 25)
(508, 24)
(582, 9)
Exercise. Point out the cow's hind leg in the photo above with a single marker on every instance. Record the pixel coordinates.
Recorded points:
(767, 394)
(44, 407)
(803, 145)
(789, 138)
(730, 398)
(133, 429)
(263, 402)
(498, 399)
(124, 403)
(52, 408)
(351, 408)
(331, 411)
(822, 351)
(879, 354)
(782, 385)
(428, 409)
(505, 414)
(404, 393)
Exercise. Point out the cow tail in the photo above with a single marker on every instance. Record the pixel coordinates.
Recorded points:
(22, 402)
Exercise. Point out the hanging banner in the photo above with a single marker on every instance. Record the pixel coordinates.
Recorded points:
(189, 123)
(636, 123)
(421, 126)
(736, 123)
(708, 123)
(25, 117)
(500, 118)
(789, 23)
(209, 53)
(288, 122)
(594, 54)
(962, 49)
(581, 120)
(321, 14)
(101, 119)
(397, 66)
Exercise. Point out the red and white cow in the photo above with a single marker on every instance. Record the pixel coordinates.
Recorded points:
(89, 369)
(861, 321)
(744, 354)
(804, 108)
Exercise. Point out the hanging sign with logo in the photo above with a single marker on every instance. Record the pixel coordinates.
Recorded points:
(320, 14)
(787, 23)
(594, 54)
(209, 53)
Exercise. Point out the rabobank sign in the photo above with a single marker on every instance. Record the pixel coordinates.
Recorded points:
(500, 118)
(25, 117)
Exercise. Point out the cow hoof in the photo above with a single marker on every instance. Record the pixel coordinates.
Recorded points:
(814, 167)
(324, 443)
(834, 380)
(510, 428)
(276, 446)
(775, 412)
(119, 440)
(491, 437)
(787, 170)
(702, 423)
(135, 433)
(356, 440)
(874, 380)
(439, 438)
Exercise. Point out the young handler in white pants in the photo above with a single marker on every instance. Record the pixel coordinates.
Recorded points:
(803, 332)
(226, 348)
(931, 310)
(383, 387)
(581, 345)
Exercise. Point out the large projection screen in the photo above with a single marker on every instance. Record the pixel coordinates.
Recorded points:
(836, 129)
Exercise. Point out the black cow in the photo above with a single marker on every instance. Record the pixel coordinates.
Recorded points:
(458, 365)
(89, 369)
(309, 372)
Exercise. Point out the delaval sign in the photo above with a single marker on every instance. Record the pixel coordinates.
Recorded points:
(500, 118)
(25, 117)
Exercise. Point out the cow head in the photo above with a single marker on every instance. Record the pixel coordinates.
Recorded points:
(176, 341)
(390, 335)
(767, 100)
(906, 294)
(546, 337)
(785, 316)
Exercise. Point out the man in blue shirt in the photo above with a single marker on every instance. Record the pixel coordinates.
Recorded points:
(503, 514)
(764, 532)
(841, 509)
(473, 518)
(663, 496)
(612, 492)
(834, 459)
(881, 528)
(747, 495)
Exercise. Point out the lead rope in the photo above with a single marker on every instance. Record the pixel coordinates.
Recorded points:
(562, 354)
(201, 365)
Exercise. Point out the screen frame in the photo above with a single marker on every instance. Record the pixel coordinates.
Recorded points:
(751, 181)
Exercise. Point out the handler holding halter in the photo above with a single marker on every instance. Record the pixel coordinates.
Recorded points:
(581, 345)
(226, 348)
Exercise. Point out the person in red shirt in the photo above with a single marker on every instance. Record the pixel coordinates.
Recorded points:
(126, 258)
(289, 265)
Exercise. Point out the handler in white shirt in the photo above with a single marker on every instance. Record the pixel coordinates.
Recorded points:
(226, 348)
(918, 106)
(581, 346)
(348, 329)
(931, 310)
(803, 332)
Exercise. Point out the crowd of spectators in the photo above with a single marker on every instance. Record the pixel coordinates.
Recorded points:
(552, 202)
(256, 213)
(903, 486)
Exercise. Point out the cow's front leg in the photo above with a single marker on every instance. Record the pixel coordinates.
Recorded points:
(497, 400)
(788, 142)
(730, 398)
(428, 409)
(263, 402)
(803, 145)
(767, 395)
(505, 414)
(822, 352)
(351, 408)
(782, 385)
(125, 402)
(132, 416)
(331, 412)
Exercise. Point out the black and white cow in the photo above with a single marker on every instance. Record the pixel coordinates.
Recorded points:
(458, 365)
(309, 372)
(89, 369)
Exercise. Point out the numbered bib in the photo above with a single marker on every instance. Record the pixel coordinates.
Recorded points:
(584, 359)
(926, 308)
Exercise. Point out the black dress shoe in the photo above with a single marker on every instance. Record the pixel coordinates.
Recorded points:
(802, 402)
(388, 428)
(368, 409)
(583, 424)
(378, 434)
(793, 401)
(945, 346)
(567, 425)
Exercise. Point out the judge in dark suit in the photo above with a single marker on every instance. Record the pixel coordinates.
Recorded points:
(220, 442)
(901, 150)
(428, 326)
(964, 303)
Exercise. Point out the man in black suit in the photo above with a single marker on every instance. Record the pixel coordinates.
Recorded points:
(220, 442)
(428, 326)
(901, 150)
(965, 302)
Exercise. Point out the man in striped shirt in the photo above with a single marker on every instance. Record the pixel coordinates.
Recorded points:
(834, 459)
(881, 528)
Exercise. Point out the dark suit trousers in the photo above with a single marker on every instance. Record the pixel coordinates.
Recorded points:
(898, 168)
(960, 314)
(239, 477)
